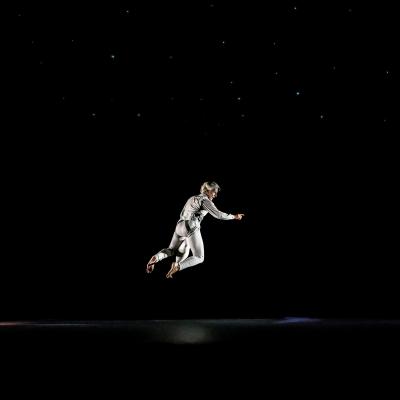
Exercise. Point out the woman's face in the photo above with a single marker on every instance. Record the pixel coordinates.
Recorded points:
(211, 194)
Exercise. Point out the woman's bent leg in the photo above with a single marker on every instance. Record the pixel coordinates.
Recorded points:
(195, 243)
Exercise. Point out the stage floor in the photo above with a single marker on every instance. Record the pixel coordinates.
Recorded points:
(208, 331)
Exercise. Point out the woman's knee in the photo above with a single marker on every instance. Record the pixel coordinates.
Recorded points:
(200, 258)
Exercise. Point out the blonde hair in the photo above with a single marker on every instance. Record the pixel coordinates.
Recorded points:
(209, 186)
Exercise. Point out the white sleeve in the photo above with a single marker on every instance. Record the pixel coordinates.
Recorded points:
(209, 206)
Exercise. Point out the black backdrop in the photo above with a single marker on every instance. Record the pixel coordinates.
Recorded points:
(94, 187)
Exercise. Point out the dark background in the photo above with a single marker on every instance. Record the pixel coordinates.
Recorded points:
(119, 112)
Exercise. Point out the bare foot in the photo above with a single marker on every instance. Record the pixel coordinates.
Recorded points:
(150, 264)
(174, 268)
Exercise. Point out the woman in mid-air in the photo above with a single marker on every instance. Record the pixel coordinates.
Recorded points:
(187, 235)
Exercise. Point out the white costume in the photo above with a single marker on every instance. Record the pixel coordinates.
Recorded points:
(187, 235)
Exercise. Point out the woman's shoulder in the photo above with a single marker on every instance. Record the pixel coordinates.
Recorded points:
(199, 196)
(197, 199)
(202, 196)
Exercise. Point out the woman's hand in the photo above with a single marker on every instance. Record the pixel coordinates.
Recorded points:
(239, 216)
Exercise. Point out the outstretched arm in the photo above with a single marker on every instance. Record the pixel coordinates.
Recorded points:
(213, 210)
